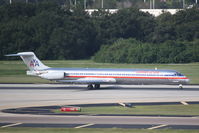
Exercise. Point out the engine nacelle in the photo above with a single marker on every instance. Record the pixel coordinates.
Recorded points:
(52, 75)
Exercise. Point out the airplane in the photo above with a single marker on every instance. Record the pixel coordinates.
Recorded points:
(94, 77)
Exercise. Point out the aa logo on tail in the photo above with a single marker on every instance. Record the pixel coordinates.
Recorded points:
(34, 63)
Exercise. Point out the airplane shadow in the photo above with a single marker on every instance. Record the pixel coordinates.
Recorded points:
(144, 89)
(111, 87)
(118, 87)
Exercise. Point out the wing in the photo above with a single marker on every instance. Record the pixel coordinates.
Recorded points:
(90, 80)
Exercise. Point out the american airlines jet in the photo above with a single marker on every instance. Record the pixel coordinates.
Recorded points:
(95, 76)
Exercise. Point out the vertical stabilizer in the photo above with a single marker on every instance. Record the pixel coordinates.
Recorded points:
(30, 59)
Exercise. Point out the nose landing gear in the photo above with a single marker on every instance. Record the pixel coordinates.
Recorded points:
(180, 86)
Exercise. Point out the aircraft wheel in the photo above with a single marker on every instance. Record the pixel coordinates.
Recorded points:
(90, 87)
(97, 86)
(180, 86)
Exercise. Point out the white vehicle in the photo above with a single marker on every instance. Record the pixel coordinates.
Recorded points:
(96, 76)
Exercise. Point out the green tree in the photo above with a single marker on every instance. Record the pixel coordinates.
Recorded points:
(187, 24)
(164, 30)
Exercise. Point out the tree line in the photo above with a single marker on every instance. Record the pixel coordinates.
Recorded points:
(116, 4)
(133, 51)
(57, 32)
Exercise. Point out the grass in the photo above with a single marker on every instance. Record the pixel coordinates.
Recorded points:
(142, 110)
(89, 130)
(15, 71)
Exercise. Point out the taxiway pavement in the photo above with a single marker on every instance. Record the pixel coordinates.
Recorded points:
(28, 95)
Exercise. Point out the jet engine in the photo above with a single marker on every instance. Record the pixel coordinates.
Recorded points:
(52, 75)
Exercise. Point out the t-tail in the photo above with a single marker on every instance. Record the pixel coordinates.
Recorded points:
(31, 61)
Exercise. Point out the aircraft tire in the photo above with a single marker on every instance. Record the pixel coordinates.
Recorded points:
(90, 87)
(180, 86)
(97, 86)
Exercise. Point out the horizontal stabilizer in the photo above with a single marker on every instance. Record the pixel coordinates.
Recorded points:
(21, 54)
(31, 61)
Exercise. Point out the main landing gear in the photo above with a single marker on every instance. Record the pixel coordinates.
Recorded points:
(96, 86)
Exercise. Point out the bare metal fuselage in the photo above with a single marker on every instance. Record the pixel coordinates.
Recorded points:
(119, 76)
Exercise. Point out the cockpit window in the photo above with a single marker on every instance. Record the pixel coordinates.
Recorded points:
(179, 74)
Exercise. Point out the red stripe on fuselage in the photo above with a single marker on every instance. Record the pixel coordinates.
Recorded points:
(127, 77)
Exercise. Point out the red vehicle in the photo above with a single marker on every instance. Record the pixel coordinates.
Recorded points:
(70, 109)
